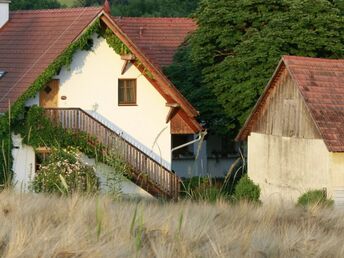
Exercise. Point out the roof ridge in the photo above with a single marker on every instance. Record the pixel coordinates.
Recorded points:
(153, 18)
(57, 9)
(316, 59)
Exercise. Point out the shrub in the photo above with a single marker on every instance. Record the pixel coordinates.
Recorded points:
(247, 190)
(314, 197)
(64, 173)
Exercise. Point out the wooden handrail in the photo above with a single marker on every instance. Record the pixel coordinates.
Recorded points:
(140, 162)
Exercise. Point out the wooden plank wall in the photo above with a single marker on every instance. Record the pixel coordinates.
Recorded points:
(285, 113)
(179, 126)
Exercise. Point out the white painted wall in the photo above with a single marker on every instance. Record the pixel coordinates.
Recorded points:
(285, 167)
(128, 188)
(4, 12)
(23, 164)
(91, 83)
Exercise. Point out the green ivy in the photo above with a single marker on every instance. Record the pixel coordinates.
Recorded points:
(121, 49)
(45, 134)
(10, 119)
(115, 43)
(38, 130)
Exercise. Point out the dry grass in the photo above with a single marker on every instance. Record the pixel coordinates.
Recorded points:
(41, 226)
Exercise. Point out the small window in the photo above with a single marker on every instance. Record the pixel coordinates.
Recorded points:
(127, 92)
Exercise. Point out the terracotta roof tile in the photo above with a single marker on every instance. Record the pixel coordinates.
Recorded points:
(31, 40)
(157, 38)
(321, 82)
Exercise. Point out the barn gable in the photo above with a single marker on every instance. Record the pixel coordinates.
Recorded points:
(319, 85)
(284, 112)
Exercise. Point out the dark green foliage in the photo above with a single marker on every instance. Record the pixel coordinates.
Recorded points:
(37, 130)
(247, 190)
(86, 3)
(153, 8)
(314, 197)
(238, 45)
(34, 4)
(186, 75)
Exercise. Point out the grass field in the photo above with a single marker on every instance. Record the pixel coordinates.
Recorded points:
(41, 226)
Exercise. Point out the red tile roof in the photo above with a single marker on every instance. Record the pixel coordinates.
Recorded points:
(157, 38)
(31, 41)
(321, 83)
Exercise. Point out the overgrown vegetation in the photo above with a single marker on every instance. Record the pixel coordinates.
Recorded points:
(314, 198)
(247, 190)
(13, 117)
(33, 5)
(38, 130)
(65, 173)
(203, 189)
(212, 190)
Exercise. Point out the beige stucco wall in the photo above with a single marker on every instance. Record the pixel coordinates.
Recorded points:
(336, 176)
(286, 167)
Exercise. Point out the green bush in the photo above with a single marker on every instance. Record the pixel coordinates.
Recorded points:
(64, 173)
(314, 197)
(247, 190)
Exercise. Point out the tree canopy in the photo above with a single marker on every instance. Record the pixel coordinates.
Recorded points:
(36, 4)
(154, 8)
(238, 45)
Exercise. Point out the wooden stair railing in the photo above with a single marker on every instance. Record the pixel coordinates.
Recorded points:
(148, 173)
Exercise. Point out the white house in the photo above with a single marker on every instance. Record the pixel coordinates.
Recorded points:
(126, 95)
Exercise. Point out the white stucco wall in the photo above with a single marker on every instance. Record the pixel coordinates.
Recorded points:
(23, 164)
(127, 187)
(287, 167)
(91, 83)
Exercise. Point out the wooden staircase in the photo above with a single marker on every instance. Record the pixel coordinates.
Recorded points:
(144, 171)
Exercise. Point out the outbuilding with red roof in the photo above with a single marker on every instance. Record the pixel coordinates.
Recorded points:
(295, 133)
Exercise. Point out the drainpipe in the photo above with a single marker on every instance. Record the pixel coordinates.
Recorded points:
(200, 137)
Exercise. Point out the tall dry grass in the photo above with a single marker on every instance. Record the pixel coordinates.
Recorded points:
(47, 226)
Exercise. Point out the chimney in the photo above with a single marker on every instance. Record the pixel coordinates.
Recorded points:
(4, 12)
(107, 6)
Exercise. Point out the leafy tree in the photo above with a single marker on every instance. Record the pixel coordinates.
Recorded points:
(32, 5)
(85, 3)
(187, 76)
(238, 45)
(154, 8)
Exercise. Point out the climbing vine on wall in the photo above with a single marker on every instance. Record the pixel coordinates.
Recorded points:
(121, 49)
(115, 43)
(9, 120)
(14, 119)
